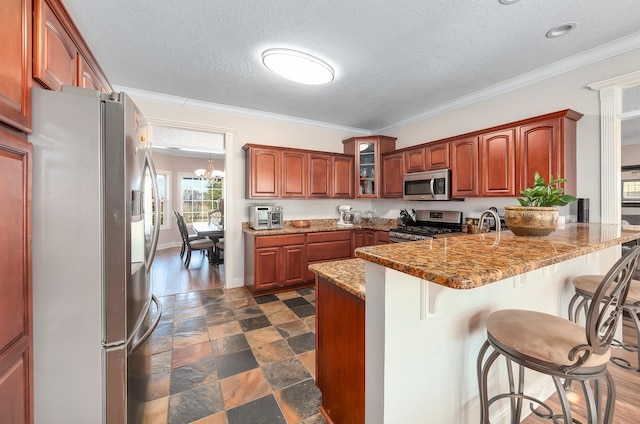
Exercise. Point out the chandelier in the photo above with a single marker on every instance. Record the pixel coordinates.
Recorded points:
(208, 174)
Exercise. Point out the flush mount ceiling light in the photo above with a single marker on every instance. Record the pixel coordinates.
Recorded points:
(561, 30)
(508, 1)
(298, 66)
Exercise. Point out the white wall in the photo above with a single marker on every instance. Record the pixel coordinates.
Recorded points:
(568, 90)
(631, 155)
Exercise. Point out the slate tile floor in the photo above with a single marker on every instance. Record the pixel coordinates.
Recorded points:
(220, 356)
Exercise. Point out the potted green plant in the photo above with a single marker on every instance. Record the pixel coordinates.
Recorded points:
(537, 214)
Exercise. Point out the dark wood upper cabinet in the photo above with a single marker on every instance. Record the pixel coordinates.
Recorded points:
(15, 62)
(263, 172)
(539, 150)
(343, 183)
(392, 173)
(56, 55)
(498, 163)
(61, 56)
(437, 156)
(494, 162)
(274, 172)
(548, 145)
(294, 173)
(415, 160)
(367, 151)
(464, 167)
(86, 77)
(320, 178)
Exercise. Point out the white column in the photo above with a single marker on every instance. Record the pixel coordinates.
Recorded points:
(610, 109)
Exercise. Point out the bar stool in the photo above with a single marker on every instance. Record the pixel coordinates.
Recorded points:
(585, 286)
(559, 348)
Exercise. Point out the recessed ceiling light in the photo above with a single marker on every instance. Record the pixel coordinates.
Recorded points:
(561, 30)
(508, 1)
(298, 66)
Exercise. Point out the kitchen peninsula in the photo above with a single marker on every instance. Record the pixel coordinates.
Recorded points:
(426, 307)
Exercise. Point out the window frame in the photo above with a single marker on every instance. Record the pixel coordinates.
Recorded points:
(166, 205)
(188, 215)
(633, 202)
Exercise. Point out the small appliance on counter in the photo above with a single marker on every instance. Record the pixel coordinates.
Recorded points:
(266, 217)
(346, 216)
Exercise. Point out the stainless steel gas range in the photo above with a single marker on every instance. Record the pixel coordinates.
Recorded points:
(426, 225)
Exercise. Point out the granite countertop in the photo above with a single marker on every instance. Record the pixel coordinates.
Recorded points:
(474, 260)
(319, 225)
(347, 274)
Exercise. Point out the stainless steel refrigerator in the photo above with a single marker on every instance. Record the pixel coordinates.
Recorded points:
(95, 231)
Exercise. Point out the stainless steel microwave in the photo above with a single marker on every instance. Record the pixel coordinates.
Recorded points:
(429, 185)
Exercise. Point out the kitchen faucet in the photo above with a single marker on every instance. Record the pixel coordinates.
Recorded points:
(495, 216)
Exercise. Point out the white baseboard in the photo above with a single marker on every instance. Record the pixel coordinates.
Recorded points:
(171, 245)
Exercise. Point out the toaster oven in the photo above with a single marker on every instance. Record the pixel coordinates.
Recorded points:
(265, 217)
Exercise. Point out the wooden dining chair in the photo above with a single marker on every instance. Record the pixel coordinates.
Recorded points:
(192, 237)
(201, 244)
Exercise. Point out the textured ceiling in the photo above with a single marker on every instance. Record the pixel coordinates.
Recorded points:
(394, 60)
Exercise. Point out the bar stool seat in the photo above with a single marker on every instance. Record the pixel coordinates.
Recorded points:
(560, 348)
(586, 286)
(545, 338)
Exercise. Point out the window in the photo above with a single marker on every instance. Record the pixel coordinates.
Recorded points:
(199, 197)
(164, 179)
(631, 192)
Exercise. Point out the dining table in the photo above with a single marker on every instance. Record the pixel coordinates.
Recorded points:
(211, 230)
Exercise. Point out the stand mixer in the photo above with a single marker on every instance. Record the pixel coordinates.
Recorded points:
(346, 216)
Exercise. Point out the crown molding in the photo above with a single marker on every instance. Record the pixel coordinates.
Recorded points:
(579, 60)
(233, 110)
(623, 81)
(161, 122)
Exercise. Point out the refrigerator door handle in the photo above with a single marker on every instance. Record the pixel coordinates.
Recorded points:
(153, 326)
(156, 220)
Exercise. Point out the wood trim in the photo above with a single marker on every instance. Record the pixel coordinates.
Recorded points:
(568, 113)
(290, 149)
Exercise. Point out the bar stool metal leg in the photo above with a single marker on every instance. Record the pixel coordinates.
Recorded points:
(632, 310)
(580, 302)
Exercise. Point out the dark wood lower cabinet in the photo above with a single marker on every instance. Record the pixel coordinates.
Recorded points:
(340, 350)
(382, 237)
(276, 263)
(281, 262)
(363, 238)
(328, 246)
(16, 337)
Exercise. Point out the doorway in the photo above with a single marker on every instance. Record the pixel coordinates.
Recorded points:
(190, 159)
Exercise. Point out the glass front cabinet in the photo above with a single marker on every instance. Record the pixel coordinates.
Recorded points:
(367, 151)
